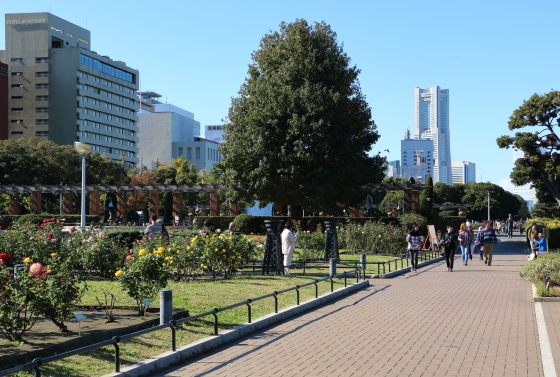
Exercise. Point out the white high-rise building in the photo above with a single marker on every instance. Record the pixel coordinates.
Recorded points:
(431, 122)
(463, 171)
(525, 191)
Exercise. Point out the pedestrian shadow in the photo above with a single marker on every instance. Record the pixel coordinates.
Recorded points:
(275, 337)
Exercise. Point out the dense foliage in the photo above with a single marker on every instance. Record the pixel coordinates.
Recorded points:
(547, 265)
(300, 131)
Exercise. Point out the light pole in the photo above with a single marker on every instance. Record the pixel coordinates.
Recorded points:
(488, 205)
(83, 150)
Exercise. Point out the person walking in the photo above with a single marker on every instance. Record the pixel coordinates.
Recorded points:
(479, 243)
(533, 235)
(288, 245)
(449, 246)
(510, 224)
(489, 239)
(414, 242)
(465, 239)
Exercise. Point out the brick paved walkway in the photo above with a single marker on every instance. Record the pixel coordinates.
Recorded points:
(474, 321)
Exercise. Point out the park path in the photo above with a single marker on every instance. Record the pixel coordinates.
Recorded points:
(475, 321)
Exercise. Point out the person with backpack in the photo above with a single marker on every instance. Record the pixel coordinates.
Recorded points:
(465, 239)
(449, 246)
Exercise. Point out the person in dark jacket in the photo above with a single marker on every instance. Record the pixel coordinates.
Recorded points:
(489, 238)
(414, 241)
(449, 246)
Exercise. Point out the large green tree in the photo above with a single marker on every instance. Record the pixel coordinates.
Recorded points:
(300, 131)
(540, 115)
(502, 202)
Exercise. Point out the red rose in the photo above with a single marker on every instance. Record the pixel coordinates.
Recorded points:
(5, 257)
(49, 235)
(53, 219)
(45, 221)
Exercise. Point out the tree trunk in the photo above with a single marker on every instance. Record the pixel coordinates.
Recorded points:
(296, 212)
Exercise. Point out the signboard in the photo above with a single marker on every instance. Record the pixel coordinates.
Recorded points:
(79, 316)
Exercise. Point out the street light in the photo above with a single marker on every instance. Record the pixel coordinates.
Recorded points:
(83, 150)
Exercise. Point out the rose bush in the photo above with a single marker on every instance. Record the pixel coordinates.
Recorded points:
(373, 238)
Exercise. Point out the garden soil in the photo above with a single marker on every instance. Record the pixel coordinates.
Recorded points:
(44, 338)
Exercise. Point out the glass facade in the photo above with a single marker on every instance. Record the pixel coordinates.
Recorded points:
(106, 68)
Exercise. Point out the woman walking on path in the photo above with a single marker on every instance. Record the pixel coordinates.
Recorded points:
(465, 239)
(414, 242)
(479, 243)
(489, 238)
(449, 246)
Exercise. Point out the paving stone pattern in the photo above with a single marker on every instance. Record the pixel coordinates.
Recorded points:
(475, 321)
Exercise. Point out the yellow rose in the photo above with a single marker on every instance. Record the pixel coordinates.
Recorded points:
(53, 254)
(161, 249)
(118, 273)
(232, 257)
(27, 260)
(223, 250)
(215, 249)
(142, 251)
(188, 247)
(49, 271)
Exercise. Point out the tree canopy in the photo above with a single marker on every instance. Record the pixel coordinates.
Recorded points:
(540, 165)
(300, 131)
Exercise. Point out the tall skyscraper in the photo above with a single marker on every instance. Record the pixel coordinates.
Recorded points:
(62, 91)
(431, 122)
(525, 191)
(417, 158)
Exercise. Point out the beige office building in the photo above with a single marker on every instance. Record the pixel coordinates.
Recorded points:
(61, 90)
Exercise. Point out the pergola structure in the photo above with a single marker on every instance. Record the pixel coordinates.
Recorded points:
(94, 192)
(411, 196)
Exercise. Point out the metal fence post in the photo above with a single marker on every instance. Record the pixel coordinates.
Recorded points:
(165, 306)
(332, 266)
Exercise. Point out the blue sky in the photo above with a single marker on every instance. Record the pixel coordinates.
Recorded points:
(491, 55)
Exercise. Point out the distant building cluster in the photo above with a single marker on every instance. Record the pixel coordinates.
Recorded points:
(54, 86)
(427, 152)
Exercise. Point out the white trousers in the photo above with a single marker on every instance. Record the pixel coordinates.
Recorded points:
(287, 263)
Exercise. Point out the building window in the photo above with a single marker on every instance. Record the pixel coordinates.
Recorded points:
(189, 153)
(41, 121)
(41, 109)
(42, 86)
(180, 151)
(17, 85)
(17, 59)
(41, 74)
(41, 98)
(17, 97)
(197, 153)
(17, 120)
(70, 35)
(105, 68)
(41, 133)
(41, 60)
(17, 132)
(83, 40)
(17, 108)
(17, 73)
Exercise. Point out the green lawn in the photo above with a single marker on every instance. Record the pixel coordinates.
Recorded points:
(198, 297)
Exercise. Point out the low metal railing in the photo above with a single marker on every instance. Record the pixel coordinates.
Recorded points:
(36, 363)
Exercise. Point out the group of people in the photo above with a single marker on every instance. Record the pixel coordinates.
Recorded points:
(450, 241)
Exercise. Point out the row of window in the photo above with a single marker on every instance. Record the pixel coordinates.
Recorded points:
(37, 109)
(106, 82)
(37, 86)
(37, 133)
(106, 105)
(37, 121)
(96, 113)
(106, 127)
(105, 93)
(109, 139)
(106, 68)
(37, 98)
(100, 149)
(214, 155)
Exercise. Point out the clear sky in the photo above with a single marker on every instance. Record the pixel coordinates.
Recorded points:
(490, 54)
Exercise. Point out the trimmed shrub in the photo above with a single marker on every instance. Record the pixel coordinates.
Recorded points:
(218, 222)
(547, 265)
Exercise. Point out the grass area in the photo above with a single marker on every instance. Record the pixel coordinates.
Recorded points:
(198, 297)
(553, 291)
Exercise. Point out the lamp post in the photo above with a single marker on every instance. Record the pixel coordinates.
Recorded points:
(83, 150)
(488, 205)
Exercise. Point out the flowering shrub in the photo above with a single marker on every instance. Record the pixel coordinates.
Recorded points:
(373, 238)
(547, 265)
(146, 271)
(311, 245)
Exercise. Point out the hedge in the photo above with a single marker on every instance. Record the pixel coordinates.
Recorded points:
(255, 224)
(8, 220)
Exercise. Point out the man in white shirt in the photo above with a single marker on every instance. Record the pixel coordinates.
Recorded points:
(288, 245)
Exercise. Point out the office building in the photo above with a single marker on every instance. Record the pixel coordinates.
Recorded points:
(169, 132)
(393, 169)
(463, 172)
(61, 90)
(417, 158)
(3, 101)
(431, 122)
(525, 191)
(214, 132)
